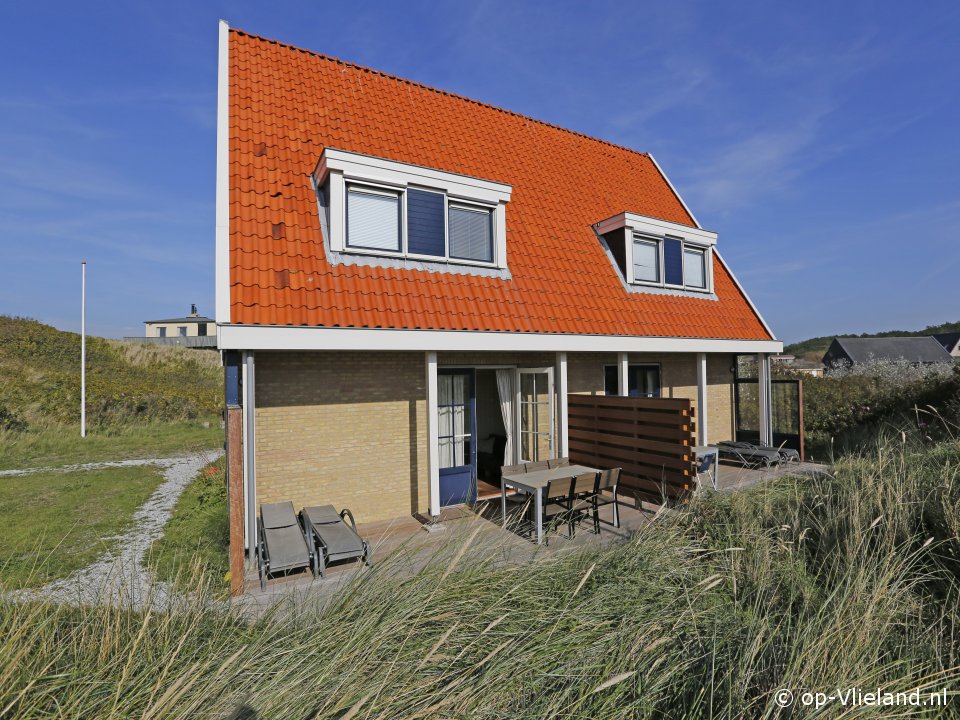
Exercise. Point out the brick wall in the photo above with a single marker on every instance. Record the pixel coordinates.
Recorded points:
(343, 428)
(678, 379)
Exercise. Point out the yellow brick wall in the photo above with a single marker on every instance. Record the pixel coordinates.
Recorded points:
(678, 379)
(343, 428)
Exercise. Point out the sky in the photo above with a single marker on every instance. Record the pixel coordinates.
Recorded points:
(820, 140)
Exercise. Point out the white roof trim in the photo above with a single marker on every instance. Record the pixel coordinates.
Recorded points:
(391, 172)
(647, 225)
(679, 197)
(744, 293)
(222, 259)
(286, 337)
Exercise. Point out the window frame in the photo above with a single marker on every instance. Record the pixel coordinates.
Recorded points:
(661, 282)
(702, 252)
(472, 207)
(615, 367)
(402, 218)
(383, 191)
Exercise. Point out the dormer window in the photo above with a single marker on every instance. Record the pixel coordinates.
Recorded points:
(373, 206)
(656, 253)
(373, 219)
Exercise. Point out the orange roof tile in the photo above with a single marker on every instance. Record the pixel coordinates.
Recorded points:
(287, 105)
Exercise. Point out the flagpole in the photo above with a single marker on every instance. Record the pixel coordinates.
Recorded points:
(83, 348)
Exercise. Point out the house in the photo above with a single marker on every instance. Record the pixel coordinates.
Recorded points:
(950, 342)
(790, 363)
(194, 330)
(856, 351)
(404, 274)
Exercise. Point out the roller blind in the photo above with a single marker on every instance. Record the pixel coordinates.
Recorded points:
(471, 234)
(646, 261)
(694, 271)
(373, 220)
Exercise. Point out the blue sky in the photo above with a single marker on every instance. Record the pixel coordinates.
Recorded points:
(821, 140)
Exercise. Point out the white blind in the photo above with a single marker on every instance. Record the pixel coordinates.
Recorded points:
(471, 234)
(373, 221)
(646, 261)
(694, 272)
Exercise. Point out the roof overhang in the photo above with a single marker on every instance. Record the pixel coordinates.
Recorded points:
(277, 337)
(355, 166)
(645, 225)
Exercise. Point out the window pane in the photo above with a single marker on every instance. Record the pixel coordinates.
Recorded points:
(672, 261)
(694, 272)
(471, 234)
(646, 261)
(611, 380)
(373, 221)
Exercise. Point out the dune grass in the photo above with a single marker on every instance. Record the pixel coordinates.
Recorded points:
(841, 580)
(54, 445)
(197, 533)
(56, 523)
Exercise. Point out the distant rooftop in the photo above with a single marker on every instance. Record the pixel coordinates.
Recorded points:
(910, 349)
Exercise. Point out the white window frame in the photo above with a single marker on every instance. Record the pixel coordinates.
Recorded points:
(640, 227)
(474, 207)
(338, 169)
(704, 253)
(386, 191)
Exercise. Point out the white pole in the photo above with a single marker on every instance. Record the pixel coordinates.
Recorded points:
(83, 348)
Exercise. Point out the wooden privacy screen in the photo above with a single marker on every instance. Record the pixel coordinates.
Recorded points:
(652, 439)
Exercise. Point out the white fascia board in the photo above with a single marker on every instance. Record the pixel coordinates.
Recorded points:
(282, 337)
(744, 293)
(358, 167)
(222, 252)
(656, 227)
(679, 197)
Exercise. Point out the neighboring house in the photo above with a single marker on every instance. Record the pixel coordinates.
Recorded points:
(194, 330)
(856, 351)
(950, 343)
(791, 363)
(403, 274)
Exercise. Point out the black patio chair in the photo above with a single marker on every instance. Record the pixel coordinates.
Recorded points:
(607, 481)
(283, 545)
(332, 539)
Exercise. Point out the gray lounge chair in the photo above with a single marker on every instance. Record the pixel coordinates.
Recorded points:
(332, 538)
(749, 454)
(283, 545)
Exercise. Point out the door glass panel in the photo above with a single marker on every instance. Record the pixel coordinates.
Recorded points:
(453, 421)
(536, 415)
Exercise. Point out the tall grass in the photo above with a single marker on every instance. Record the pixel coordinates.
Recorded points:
(846, 579)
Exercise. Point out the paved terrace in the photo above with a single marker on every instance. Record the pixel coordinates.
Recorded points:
(408, 547)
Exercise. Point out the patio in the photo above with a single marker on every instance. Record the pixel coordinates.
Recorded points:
(409, 547)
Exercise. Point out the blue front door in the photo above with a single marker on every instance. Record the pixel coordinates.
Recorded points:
(456, 422)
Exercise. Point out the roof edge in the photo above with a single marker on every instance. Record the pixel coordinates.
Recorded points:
(457, 96)
(746, 297)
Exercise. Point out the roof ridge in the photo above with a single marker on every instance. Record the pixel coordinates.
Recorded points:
(439, 91)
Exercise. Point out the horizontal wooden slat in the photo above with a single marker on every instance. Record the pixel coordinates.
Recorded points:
(650, 439)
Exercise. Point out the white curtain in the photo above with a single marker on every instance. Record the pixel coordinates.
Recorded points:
(505, 388)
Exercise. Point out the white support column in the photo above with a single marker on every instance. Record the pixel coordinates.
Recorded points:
(623, 362)
(433, 434)
(563, 447)
(764, 393)
(702, 409)
(249, 452)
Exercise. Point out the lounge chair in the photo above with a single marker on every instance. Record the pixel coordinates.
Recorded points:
(749, 454)
(283, 545)
(332, 539)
